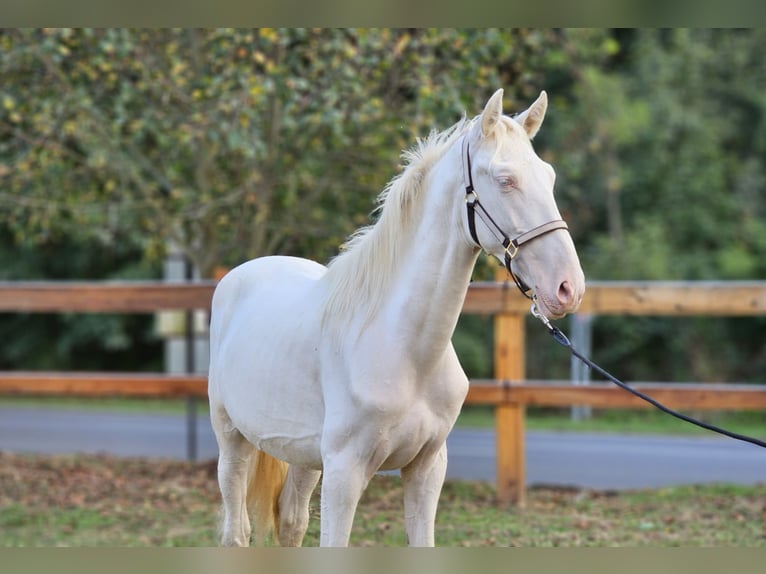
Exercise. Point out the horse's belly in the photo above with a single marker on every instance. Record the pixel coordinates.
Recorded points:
(300, 451)
(279, 411)
(278, 407)
(265, 363)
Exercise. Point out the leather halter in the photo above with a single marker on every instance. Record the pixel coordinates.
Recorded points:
(511, 246)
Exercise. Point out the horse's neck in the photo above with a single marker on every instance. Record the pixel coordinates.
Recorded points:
(430, 288)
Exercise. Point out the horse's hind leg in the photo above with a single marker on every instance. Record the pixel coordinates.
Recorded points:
(294, 504)
(234, 461)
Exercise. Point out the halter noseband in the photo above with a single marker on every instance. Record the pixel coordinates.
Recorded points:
(511, 246)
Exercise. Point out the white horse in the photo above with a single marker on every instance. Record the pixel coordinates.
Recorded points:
(349, 369)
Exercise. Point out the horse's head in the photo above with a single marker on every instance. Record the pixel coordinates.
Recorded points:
(513, 201)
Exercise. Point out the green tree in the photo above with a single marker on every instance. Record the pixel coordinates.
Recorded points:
(210, 140)
(232, 144)
(663, 151)
(236, 143)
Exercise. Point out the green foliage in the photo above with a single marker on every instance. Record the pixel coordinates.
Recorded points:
(671, 169)
(232, 144)
(660, 155)
(473, 345)
(76, 341)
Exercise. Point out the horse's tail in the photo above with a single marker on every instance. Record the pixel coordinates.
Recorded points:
(266, 478)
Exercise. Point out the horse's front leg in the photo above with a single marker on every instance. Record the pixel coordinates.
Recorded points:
(350, 458)
(422, 481)
(344, 478)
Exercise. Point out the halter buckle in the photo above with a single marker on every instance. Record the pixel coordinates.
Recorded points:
(512, 250)
(538, 315)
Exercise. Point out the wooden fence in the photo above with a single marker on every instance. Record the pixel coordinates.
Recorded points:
(509, 392)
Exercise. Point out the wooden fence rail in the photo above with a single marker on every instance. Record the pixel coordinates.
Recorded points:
(103, 297)
(509, 392)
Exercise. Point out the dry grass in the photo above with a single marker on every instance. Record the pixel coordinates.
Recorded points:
(108, 501)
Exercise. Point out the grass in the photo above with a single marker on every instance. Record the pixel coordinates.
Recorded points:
(116, 404)
(106, 501)
(631, 421)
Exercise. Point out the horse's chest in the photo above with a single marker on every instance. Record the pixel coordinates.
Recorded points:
(414, 423)
(419, 432)
(388, 408)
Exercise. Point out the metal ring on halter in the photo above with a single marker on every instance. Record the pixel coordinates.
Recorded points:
(509, 253)
(537, 314)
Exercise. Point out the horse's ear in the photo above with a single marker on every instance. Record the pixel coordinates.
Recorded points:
(532, 118)
(492, 113)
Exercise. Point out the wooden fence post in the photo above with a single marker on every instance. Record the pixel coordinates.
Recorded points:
(509, 418)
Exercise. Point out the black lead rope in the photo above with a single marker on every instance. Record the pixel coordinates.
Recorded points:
(562, 340)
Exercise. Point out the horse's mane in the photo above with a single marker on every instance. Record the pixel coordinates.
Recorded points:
(360, 276)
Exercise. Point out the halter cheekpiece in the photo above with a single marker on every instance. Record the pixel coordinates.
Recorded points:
(511, 246)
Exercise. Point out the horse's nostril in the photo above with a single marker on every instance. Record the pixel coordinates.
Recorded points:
(565, 294)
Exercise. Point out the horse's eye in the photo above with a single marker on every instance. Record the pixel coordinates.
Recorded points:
(508, 183)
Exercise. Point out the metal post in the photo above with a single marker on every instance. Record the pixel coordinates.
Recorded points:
(580, 325)
(191, 402)
(186, 344)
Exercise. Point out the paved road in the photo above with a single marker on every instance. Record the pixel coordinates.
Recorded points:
(564, 459)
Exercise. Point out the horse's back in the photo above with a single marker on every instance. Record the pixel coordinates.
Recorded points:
(258, 287)
(262, 276)
(264, 272)
(264, 327)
